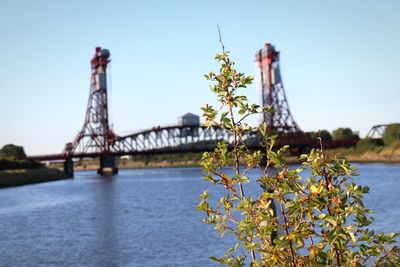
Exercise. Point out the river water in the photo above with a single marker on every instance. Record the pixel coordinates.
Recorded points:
(138, 218)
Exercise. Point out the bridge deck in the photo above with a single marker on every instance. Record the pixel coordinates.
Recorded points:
(188, 139)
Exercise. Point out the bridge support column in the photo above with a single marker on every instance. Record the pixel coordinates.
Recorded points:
(108, 165)
(69, 167)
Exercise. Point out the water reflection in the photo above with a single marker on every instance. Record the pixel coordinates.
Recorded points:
(104, 228)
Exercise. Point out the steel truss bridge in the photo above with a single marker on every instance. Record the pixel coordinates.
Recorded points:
(97, 139)
(157, 140)
(175, 139)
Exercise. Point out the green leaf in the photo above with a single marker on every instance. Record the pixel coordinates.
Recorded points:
(236, 246)
(220, 260)
(331, 220)
(365, 189)
(353, 238)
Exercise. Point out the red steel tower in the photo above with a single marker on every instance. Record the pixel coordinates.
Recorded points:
(96, 136)
(273, 93)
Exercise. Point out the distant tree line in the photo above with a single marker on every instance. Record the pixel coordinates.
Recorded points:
(13, 157)
(12, 152)
(338, 134)
(170, 158)
(391, 133)
(390, 136)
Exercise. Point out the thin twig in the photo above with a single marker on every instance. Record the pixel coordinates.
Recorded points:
(285, 222)
(220, 39)
(328, 181)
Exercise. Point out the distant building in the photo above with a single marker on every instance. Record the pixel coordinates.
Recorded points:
(189, 119)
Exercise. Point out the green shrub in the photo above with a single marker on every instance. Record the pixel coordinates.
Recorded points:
(324, 134)
(364, 145)
(391, 133)
(344, 133)
(324, 221)
(12, 152)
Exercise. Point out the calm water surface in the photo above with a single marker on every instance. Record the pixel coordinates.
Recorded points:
(137, 218)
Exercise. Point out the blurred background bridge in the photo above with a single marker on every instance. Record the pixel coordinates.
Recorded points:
(97, 138)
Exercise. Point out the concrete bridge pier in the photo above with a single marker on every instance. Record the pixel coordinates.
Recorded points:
(69, 167)
(108, 165)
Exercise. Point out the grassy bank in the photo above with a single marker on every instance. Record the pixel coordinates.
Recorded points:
(29, 176)
(372, 153)
(141, 162)
(93, 165)
(384, 154)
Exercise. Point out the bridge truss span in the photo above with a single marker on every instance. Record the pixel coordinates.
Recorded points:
(172, 139)
(97, 139)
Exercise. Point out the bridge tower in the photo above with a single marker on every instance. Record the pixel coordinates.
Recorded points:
(273, 93)
(96, 137)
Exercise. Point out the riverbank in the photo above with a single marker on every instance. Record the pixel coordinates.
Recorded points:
(19, 177)
(383, 154)
(374, 154)
(92, 165)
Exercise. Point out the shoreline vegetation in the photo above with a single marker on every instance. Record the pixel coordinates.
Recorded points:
(17, 177)
(368, 152)
(379, 154)
(26, 176)
(16, 169)
(15, 172)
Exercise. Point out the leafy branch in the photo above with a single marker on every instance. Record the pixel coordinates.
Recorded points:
(297, 220)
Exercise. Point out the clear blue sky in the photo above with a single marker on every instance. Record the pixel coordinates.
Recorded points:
(340, 61)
